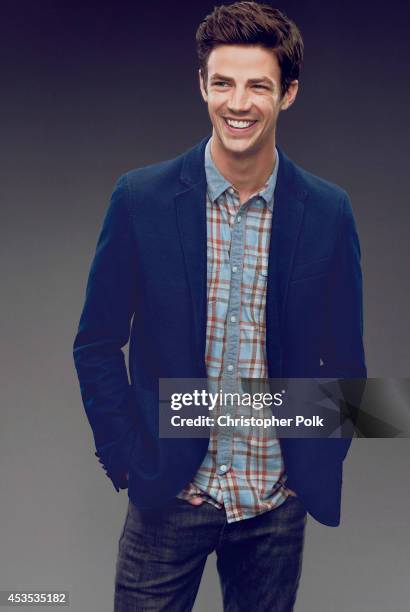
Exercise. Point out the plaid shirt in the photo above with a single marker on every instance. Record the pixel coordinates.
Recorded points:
(243, 469)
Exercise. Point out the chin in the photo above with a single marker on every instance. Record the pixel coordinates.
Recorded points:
(239, 150)
(238, 146)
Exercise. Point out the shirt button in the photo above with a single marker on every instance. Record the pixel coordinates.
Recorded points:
(234, 268)
(239, 218)
(233, 319)
(230, 368)
(231, 190)
(223, 468)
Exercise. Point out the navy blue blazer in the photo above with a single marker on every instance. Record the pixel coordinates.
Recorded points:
(150, 267)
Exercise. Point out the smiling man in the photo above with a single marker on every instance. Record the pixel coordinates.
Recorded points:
(242, 87)
(235, 266)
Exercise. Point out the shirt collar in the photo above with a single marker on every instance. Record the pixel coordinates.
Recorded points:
(218, 184)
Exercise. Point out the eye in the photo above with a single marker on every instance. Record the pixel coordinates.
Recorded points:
(220, 83)
(261, 86)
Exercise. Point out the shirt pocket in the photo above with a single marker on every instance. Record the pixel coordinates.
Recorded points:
(254, 292)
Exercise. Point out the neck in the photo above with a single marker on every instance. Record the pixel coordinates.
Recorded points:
(247, 173)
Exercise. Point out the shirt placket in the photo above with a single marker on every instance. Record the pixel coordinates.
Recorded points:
(230, 376)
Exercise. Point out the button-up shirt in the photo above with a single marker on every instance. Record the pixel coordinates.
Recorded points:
(243, 469)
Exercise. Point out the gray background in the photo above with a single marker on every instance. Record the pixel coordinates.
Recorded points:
(90, 92)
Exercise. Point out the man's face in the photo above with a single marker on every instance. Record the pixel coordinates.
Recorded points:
(243, 85)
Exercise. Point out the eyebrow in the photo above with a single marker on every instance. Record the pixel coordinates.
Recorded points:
(221, 77)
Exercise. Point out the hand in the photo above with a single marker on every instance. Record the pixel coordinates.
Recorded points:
(196, 500)
(290, 492)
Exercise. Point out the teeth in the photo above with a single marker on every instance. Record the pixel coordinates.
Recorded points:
(239, 124)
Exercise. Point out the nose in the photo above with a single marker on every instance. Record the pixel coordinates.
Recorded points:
(239, 100)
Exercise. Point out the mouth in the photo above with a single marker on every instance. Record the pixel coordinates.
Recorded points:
(239, 126)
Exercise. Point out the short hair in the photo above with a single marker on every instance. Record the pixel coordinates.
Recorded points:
(251, 23)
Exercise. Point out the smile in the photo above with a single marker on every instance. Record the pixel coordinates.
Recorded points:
(239, 124)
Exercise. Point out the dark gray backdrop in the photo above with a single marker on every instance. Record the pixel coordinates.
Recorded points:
(89, 92)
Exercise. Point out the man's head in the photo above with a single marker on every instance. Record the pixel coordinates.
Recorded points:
(250, 55)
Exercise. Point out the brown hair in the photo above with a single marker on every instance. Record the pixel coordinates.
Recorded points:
(251, 23)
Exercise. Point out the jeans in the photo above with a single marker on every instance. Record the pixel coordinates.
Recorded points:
(162, 555)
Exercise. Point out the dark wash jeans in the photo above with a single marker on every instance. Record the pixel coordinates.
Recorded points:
(162, 554)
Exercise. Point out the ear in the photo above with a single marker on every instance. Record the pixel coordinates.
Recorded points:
(290, 95)
(202, 86)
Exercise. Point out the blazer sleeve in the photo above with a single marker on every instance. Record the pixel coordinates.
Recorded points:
(103, 330)
(343, 332)
(343, 349)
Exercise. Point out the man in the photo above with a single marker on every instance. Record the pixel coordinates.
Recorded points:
(236, 265)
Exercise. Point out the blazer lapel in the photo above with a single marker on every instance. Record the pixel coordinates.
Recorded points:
(190, 205)
(286, 224)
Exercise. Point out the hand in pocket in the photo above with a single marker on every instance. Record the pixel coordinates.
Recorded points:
(196, 500)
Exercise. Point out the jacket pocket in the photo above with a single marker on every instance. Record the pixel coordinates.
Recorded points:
(310, 269)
